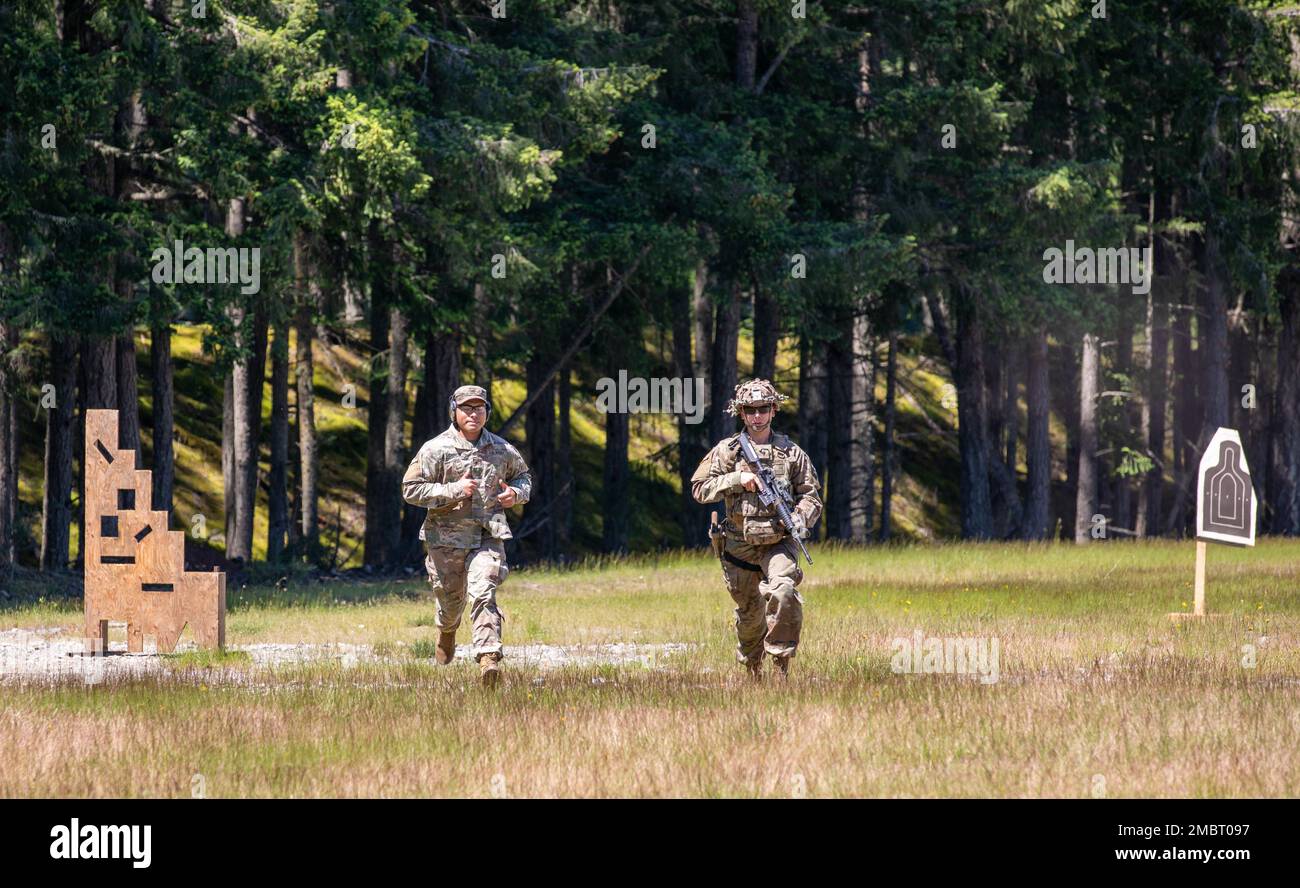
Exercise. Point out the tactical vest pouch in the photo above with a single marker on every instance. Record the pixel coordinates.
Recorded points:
(763, 531)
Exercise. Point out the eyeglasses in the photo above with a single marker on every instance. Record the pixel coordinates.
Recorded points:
(471, 408)
(757, 411)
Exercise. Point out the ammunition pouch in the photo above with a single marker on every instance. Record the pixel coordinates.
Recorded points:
(763, 531)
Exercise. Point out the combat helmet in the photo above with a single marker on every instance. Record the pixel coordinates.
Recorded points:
(753, 393)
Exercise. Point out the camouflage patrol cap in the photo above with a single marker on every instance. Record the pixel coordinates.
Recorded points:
(753, 392)
(469, 393)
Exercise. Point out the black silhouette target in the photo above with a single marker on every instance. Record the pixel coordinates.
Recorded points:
(1226, 507)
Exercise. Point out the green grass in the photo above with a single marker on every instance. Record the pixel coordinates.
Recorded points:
(208, 659)
(1094, 682)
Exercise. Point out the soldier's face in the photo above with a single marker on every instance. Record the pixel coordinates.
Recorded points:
(757, 417)
(471, 415)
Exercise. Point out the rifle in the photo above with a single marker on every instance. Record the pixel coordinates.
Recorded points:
(768, 491)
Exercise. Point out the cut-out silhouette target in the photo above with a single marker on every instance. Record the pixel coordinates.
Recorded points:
(135, 566)
(1226, 504)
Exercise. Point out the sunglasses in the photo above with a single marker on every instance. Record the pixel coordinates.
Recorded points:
(757, 411)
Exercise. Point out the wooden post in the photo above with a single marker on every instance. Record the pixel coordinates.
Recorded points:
(1199, 608)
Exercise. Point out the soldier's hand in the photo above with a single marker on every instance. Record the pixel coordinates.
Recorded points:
(508, 495)
(467, 488)
(749, 481)
(800, 526)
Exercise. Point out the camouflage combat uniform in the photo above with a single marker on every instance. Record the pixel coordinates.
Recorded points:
(463, 536)
(760, 559)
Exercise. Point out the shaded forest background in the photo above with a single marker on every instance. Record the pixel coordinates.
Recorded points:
(854, 200)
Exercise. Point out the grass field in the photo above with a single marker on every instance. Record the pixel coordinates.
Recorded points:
(1098, 692)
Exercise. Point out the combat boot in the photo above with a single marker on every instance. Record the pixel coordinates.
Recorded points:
(446, 650)
(782, 665)
(754, 668)
(489, 672)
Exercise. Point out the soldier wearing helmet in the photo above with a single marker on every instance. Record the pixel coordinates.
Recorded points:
(759, 560)
(467, 477)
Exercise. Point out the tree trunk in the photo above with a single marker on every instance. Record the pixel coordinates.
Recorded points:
(564, 477)
(128, 395)
(1286, 440)
(1186, 420)
(1085, 504)
(691, 445)
(239, 520)
(228, 453)
(839, 457)
(862, 505)
(701, 309)
(939, 321)
(308, 458)
(1004, 497)
(726, 335)
(1284, 455)
(277, 529)
(616, 483)
(256, 385)
(8, 435)
(995, 376)
(1153, 406)
(1212, 326)
(972, 418)
(767, 333)
(242, 461)
(746, 44)
(1002, 427)
(813, 391)
(376, 533)
(1068, 393)
(395, 428)
(1011, 413)
(888, 457)
(1121, 487)
(539, 432)
(482, 338)
(1260, 422)
(863, 386)
(1038, 442)
(99, 355)
(164, 400)
(57, 518)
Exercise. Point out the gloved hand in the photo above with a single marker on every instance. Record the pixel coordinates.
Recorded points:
(800, 527)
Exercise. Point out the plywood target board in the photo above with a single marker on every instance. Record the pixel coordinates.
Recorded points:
(134, 566)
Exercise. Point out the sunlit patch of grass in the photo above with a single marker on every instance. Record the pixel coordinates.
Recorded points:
(207, 659)
(424, 648)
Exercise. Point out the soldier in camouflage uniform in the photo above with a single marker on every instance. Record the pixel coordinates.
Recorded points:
(759, 558)
(466, 477)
